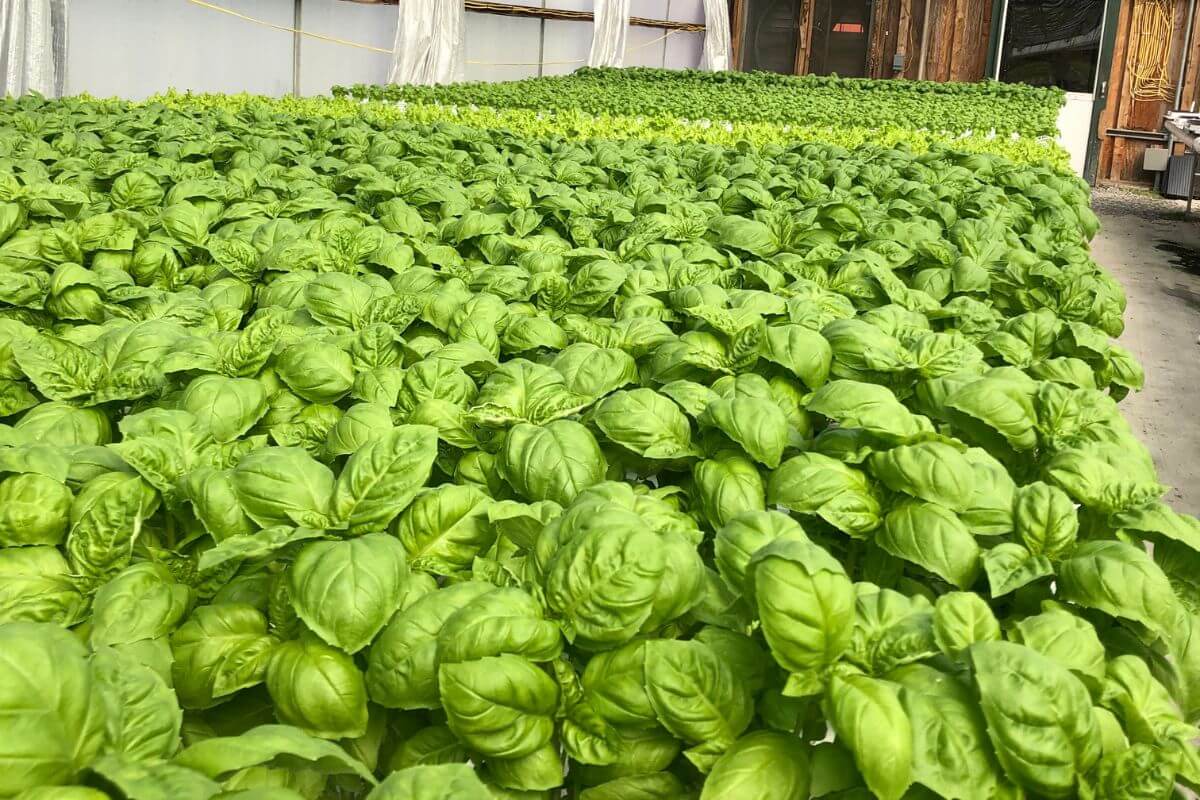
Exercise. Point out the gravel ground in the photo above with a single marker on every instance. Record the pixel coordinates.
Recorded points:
(1154, 251)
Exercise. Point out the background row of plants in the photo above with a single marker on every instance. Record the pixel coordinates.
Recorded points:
(956, 108)
(343, 455)
(584, 125)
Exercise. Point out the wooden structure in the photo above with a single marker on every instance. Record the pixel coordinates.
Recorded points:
(956, 36)
(1132, 118)
(1149, 62)
(562, 14)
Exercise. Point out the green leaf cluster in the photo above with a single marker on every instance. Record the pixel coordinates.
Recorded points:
(954, 107)
(575, 123)
(350, 457)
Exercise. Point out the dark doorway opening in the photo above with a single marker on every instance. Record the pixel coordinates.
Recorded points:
(1052, 43)
(772, 35)
(841, 37)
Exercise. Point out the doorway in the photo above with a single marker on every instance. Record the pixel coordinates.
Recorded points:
(772, 35)
(1057, 43)
(841, 34)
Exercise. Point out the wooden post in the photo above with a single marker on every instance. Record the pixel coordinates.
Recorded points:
(942, 34)
(804, 37)
(1190, 95)
(904, 36)
(737, 33)
(960, 55)
(876, 30)
(1112, 149)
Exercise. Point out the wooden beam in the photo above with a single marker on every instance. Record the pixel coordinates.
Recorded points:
(737, 33)
(510, 10)
(941, 34)
(877, 43)
(983, 49)
(960, 55)
(1192, 77)
(1112, 150)
(889, 39)
(912, 66)
(904, 34)
(804, 37)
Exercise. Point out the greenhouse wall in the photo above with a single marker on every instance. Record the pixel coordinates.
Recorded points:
(134, 48)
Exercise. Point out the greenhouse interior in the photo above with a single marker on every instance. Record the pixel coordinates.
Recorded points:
(599, 400)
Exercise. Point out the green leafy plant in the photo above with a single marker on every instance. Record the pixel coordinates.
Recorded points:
(574, 123)
(344, 455)
(1005, 108)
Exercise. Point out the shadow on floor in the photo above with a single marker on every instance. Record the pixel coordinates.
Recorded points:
(1190, 297)
(1185, 258)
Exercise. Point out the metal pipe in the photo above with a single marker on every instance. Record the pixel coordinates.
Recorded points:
(541, 43)
(296, 26)
(1187, 46)
(1000, 39)
(664, 43)
(925, 40)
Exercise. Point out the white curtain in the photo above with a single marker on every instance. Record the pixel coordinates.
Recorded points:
(429, 42)
(716, 35)
(33, 46)
(608, 33)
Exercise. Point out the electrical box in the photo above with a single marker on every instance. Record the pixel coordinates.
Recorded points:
(1156, 159)
(898, 62)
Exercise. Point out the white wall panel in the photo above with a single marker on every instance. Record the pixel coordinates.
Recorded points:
(684, 51)
(324, 65)
(645, 47)
(504, 43)
(651, 9)
(566, 41)
(135, 48)
(687, 11)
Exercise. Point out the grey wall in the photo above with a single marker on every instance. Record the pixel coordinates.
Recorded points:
(136, 48)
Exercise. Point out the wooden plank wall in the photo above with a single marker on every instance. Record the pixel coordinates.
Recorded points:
(804, 47)
(885, 33)
(1121, 157)
(737, 32)
(959, 39)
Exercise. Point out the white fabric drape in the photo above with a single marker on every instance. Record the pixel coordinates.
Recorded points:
(429, 42)
(716, 35)
(608, 33)
(32, 46)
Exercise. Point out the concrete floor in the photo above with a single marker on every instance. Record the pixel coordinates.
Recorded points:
(1155, 253)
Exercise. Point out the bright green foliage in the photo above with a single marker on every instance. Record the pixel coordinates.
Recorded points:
(576, 124)
(348, 456)
(757, 97)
